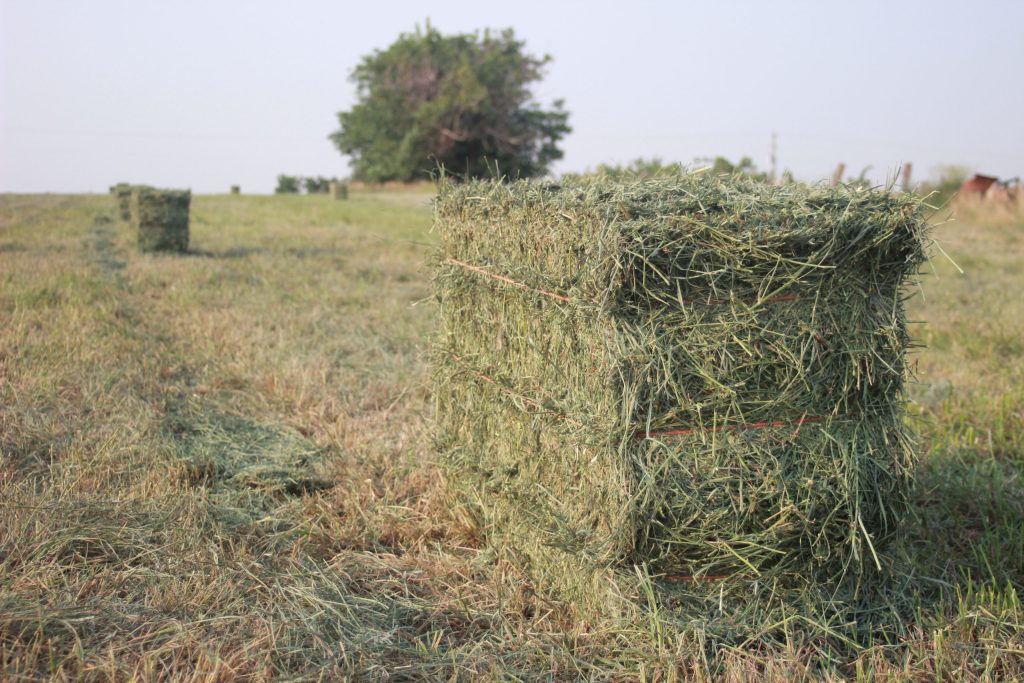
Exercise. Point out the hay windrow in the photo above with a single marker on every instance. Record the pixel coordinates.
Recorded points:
(702, 377)
(161, 218)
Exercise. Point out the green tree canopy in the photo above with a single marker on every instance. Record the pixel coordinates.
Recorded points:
(460, 101)
(655, 166)
(721, 165)
(287, 184)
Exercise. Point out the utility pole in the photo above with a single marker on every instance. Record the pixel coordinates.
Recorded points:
(773, 175)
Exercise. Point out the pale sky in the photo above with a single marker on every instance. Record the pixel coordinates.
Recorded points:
(209, 94)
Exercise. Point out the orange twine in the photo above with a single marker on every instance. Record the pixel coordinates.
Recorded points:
(684, 577)
(644, 434)
(561, 297)
(502, 278)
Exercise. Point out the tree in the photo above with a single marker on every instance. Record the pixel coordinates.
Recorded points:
(287, 184)
(745, 166)
(642, 168)
(651, 168)
(862, 181)
(315, 184)
(944, 183)
(461, 101)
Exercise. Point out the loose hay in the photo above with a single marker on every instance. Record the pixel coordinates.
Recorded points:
(161, 218)
(692, 379)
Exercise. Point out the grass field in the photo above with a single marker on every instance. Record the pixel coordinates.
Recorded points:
(217, 466)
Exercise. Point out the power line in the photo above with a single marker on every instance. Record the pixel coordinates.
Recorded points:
(156, 135)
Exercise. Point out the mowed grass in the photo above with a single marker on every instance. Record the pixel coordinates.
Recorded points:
(217, 466)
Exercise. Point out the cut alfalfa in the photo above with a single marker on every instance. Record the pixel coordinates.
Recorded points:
(699, 377)
(161, 218)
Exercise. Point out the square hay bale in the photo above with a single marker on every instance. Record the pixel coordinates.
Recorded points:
(122, 193)
(339, 190)
(161, 218)
(690, 378)
(133, 203)
(236, 189)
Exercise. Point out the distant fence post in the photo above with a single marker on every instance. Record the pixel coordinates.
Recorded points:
(907, 170)
(837, 175)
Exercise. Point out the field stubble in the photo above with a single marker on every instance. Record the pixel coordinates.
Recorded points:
(217, 465)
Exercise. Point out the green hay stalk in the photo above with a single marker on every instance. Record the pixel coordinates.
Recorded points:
(695, 379)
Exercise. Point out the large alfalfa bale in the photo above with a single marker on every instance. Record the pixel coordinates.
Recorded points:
(122, 193)
(161, 218)
(694, 378)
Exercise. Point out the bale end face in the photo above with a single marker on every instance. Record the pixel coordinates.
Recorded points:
(161, 219)
(696, 375)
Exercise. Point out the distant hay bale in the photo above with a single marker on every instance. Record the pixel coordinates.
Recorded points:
(235, 189)
(339, 190)
(161, 218)
(122, 192)
(693, 377)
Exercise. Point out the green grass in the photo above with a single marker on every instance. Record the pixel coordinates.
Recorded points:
(217, 466)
